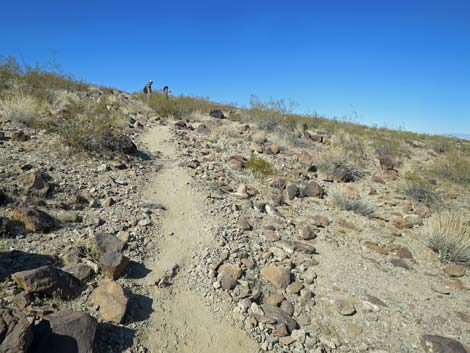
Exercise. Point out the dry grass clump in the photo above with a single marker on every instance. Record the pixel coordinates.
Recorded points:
(449, 236)
(260, 167)
(353, 204)
(20, 107)
(454, 168)
(420, 189)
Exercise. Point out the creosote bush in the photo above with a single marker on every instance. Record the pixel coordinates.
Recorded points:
(449, 236)
(90, 126)
(260, 167)
(347, 203)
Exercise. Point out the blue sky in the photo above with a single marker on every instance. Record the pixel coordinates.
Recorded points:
(393, 63)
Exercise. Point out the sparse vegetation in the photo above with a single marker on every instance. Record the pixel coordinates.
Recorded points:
(449, 236)
(420, 189)
(454, 168)
(20, 107)
(347, 203)
(260, 167)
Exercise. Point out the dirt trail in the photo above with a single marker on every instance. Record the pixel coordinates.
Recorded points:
(181, 322)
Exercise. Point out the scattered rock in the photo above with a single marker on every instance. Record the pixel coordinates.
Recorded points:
(307, 233)
(113, 264)
(217, 114)
(80, 271)
(440, 344)
(108, 243)
(313, 189)
(343, 173)
(34, 219)
(345, 307)
(279, 315)
(278, 276)
(455, 270)
(48, 280)
(16, 333)
(65, 331)
(112, 301)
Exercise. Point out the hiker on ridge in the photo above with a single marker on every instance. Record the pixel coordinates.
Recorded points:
(148, 88)
(166, 91)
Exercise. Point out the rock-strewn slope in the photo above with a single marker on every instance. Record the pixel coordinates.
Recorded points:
(185, 246)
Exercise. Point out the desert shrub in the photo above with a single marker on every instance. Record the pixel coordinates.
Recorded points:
(348, 203)
(449, 236)
(454, 168)
(21, 107)
(83, 249)
(420, 189)
(260, 167)
(270, 115)
(90, 126)
(327, 160)
(38, 81)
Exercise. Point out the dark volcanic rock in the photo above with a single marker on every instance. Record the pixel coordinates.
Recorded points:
(113, 264)
(16, 333)
(108, 243)
(48, 280)
(217, 114)
(343, 173)
(34, 219)
(66, 332)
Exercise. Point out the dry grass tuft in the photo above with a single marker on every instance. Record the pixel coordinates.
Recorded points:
(420, 189)
(348, 203)
(449, 236)
(20, 107)
(454, 168)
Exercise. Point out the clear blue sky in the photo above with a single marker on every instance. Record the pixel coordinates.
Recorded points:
(394, 63)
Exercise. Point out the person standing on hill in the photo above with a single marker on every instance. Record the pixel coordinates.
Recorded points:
(148, 88)
(166, 91)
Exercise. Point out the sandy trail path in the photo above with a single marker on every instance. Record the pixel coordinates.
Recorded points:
(181, 321)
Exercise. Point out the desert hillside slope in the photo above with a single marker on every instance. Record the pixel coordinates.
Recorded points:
(176, 224)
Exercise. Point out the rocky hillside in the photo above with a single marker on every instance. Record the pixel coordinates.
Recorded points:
(180, 225)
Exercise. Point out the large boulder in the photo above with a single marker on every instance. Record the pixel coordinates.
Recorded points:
(111, 301)
(16, 333)
(48, 280)
(34, 219)
(4, 199)
(120, 143)
(10, 228)
(65, 331)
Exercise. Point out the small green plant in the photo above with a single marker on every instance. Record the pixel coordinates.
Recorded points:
(449, 236)
(420, 189)
(259, 167)
(347, 203)
(83, 249)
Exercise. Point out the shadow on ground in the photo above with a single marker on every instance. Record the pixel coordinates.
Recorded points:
(14, 261)
(113, 339)
(139, 308)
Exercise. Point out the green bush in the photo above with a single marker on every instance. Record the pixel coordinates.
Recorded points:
(259, 167)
